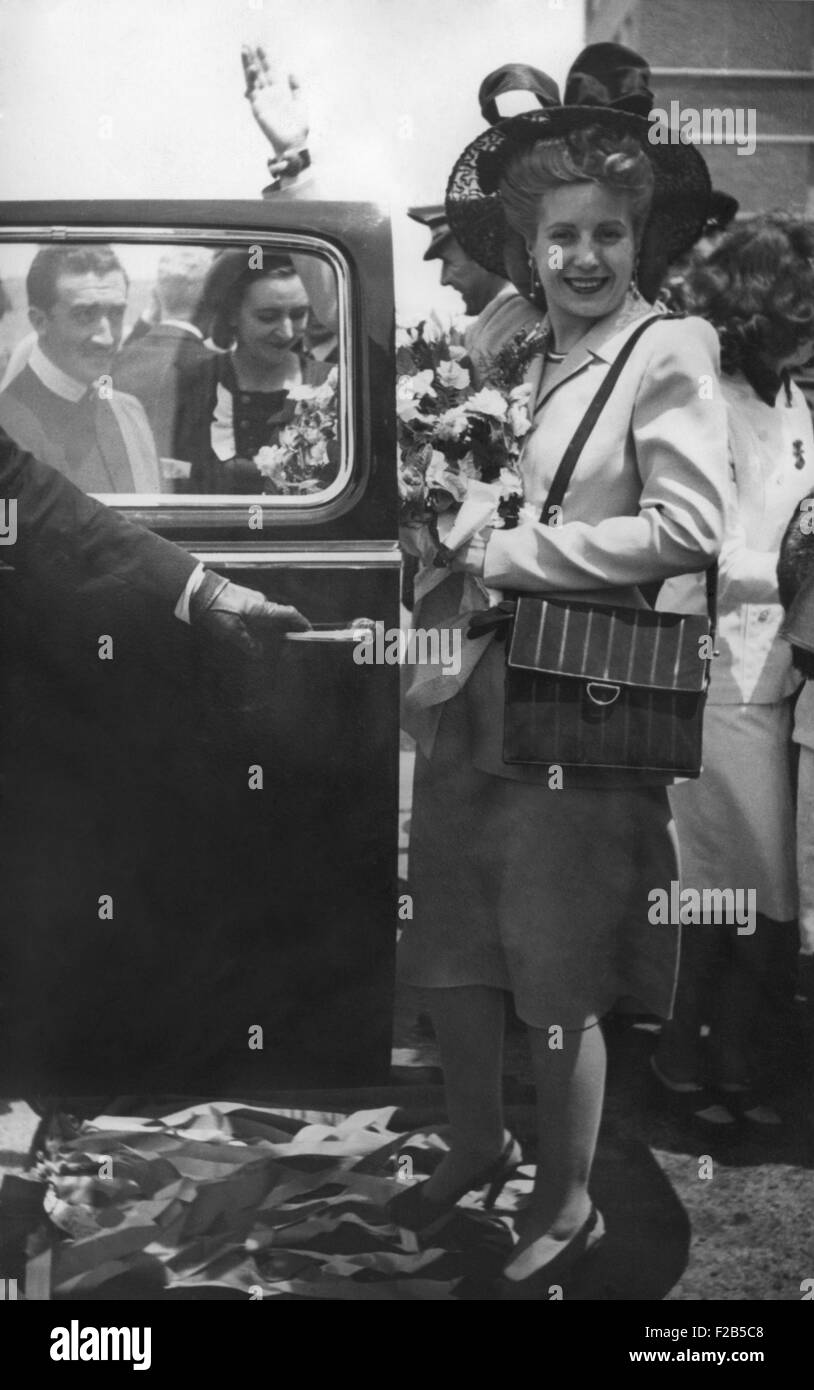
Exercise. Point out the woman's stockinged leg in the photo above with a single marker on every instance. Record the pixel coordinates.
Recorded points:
(469, 1022)
(570, 1084)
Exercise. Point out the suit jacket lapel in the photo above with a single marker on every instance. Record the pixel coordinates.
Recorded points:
(603, 341)
(574, 361)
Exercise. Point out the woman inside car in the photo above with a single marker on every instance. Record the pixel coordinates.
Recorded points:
(239, 402)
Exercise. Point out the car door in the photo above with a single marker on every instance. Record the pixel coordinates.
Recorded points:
(198, 852)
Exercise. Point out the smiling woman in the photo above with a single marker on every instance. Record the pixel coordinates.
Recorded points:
(635, 457)
(580, 206)
(237, 407)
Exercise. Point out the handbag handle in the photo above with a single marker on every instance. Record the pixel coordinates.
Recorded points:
(570, 458)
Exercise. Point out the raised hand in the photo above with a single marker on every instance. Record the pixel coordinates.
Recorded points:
(276, 101)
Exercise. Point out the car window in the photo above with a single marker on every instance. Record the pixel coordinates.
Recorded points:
(158, 371)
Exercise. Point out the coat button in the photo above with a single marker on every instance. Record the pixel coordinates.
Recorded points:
(763, 615)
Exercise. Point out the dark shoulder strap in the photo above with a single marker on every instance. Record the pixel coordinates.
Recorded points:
(712, 600)
(570, 458)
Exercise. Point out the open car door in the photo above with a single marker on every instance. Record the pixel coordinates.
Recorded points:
(199, 856)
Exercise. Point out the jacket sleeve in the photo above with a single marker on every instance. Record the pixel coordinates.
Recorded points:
(55, 518)
(679, 436)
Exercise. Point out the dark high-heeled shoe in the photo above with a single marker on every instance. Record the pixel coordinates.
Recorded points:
(420, 1214)
(571, 1253)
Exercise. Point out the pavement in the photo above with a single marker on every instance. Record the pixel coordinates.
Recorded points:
(690, 1217)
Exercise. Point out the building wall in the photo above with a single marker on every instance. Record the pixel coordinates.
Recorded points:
(768, 46)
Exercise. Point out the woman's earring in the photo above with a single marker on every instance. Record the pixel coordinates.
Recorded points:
(634, 281)
(535, 284)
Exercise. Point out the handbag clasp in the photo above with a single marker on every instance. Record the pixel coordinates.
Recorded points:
(602, 694)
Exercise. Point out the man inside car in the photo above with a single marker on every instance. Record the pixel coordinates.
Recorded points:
(62, 407)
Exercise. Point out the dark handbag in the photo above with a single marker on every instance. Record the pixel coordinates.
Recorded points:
(596, 685)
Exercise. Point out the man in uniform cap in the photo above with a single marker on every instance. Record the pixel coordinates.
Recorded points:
(500, 311)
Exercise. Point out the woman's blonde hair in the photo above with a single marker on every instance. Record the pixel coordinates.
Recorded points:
(583, 156)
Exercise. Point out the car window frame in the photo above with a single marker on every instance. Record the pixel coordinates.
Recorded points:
(201, 514)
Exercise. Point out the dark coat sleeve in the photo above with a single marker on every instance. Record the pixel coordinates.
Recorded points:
(55, 520)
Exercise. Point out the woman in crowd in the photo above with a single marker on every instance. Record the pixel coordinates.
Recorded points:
(517, 887)
(736, 823)
(238, 402)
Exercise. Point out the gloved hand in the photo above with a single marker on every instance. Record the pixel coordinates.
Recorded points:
(238, 617)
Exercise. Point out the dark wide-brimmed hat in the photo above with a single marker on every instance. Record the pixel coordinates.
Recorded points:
(607, 88)
(514, 77)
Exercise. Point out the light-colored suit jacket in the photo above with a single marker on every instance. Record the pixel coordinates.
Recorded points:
(647, 497)
(646, 500)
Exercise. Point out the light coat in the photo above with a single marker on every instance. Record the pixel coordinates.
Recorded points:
(764, 486)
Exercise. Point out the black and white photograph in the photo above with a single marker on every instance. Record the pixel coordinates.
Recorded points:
(407, 664)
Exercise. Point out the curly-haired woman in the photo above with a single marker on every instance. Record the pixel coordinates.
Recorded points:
(237, 402)
(736, 824)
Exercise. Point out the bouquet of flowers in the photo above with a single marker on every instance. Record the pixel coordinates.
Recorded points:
(459, 448)
(306, 455)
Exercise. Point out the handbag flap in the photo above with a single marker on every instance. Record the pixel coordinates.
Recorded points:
(604, 642)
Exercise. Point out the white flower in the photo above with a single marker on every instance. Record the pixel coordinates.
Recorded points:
(519, 422)
(440, 475)
(521, 394)
(456, 352)
(487, 402)
(453, 377)
(408, 412)
(415, 387)
(409, 391)
(271, 461)
(453, 424)
(325, 398)
(318, 453)
(433, 328)
(509, 482)
(302, 393)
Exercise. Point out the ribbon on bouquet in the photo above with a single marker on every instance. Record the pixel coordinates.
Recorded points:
(454, 602)
(427, 687)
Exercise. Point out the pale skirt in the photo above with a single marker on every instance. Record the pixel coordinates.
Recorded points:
(736, 822)
(543, 893)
